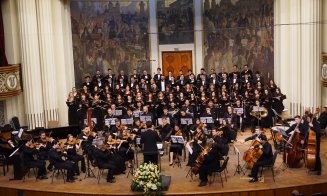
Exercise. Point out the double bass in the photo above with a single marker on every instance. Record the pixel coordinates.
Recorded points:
(294, 152)
(311, 147)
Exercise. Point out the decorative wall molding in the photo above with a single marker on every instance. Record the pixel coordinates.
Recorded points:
(10, 81)
(324, 70)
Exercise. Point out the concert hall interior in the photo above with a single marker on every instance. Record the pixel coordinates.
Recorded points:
(155, 97)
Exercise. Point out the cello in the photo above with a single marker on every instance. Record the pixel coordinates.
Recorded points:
(252, 155)
(199, 160)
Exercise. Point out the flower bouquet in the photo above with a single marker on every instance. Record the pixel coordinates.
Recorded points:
(147, 178)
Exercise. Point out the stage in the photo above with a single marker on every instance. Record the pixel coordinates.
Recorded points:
(286, 181)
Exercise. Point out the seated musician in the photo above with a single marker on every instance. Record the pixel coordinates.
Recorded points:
(6, 150)
(56, 157)
(198, 144)
(73, 145)
(217, 136)
(30, 151)
(165, 129)
(46, 145)
(265, 159)
(258, 134)
(117, 127)
(175, 148)
(229, 134)
(104, 159)
(125, 149)
(297, 126)
(211, 162)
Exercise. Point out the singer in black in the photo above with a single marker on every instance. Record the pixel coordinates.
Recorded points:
(265, 159)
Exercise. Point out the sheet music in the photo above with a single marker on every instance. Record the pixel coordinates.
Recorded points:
(136, 114)
(160, 121)
(117, 112)
(127, 121)
(109, 121)
(238, 111)
(189, 148)
(207, 120)
(146, 118)
(186, 121)
(93, 119)
(21, 130)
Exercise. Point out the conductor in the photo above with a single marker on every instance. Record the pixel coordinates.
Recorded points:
(149, 139)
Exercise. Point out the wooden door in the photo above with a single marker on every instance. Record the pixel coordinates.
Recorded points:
(175, 61)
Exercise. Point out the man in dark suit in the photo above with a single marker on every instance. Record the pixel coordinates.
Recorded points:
(235, 71)
(55, 157)
(247, 71)
(265, 159)
(158, 75)
(258, 78)
(87, 82)
(96, 76)
(110, 75)
(211, 162)
(123, 76)
(149, 139)
(135, 75)
(162, 83)
(146, 76)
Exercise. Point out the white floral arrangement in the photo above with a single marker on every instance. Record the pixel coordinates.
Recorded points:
(147, 178)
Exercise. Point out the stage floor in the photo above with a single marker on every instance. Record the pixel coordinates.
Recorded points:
(286, 181)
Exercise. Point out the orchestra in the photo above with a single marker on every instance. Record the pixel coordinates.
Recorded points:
(121, 117)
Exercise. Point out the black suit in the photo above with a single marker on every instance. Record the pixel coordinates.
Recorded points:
(150, 151)
(265, 159)
(211, 163)
(102, 159)
(58, 162)
(29, 161)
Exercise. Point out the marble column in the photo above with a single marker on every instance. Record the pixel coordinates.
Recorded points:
(32, 81)
(153, 35)
(310, 53)
(44, 16)
(198, 34)
(63, 55)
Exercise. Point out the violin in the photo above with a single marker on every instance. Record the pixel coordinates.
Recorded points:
(47, 139)
(73, 142)
(36, 145)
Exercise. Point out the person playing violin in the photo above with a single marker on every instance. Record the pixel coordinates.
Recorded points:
(56, 157)
(211, 162)
(45, 145)
(104, 159)
(30, 152)
(125, 148)
(73, 145)
(265, 159)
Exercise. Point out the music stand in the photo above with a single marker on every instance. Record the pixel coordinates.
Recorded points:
(136, 114)
(177, 140)
(109, 121)
(117, 112)
(127, 121)
(93, 120)
(207, 120)
(160, 121)
(238, 168)
(186, 121)
(146, 118)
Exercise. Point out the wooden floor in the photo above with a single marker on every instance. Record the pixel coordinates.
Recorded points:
(286, 181)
